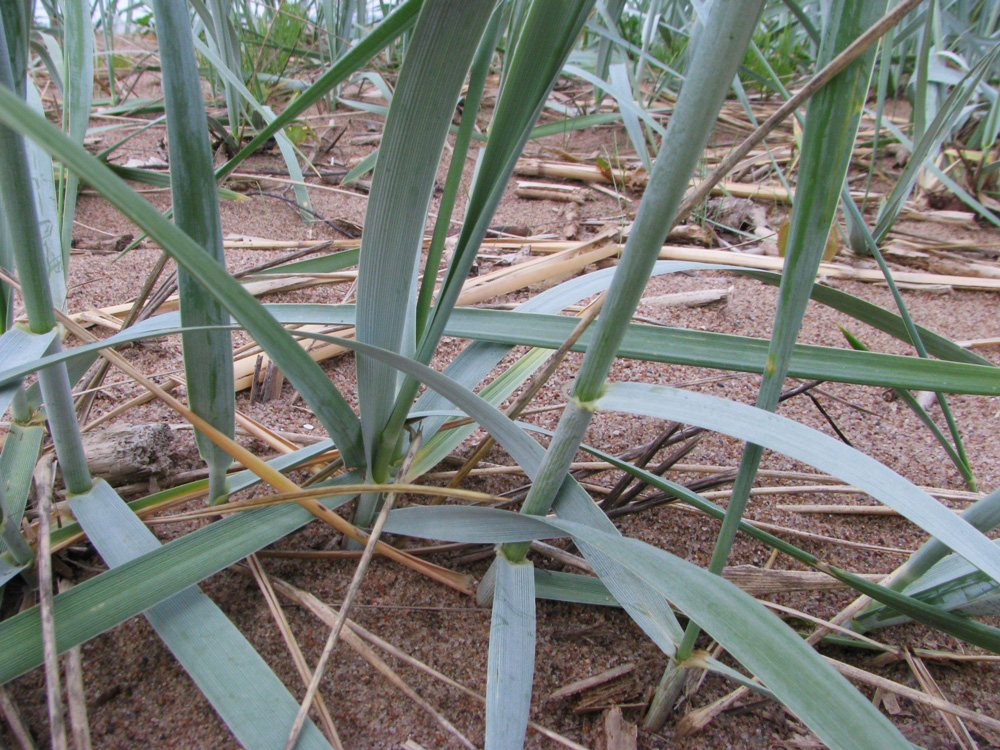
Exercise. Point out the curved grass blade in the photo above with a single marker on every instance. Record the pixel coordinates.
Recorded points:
(652, 614)
(984, 515)
(110, 598)
(208, 354)
(285, 146)
(930, 141)
(879, 318)
(971, 632)
(631, 111)
(957, 453)
(321, 395)
(495, 393)
(500, 330)
(795, 673)
(814, 448)
(729, 352)
(951, 584)
(209, 647)
(957, 458)
(394, 24)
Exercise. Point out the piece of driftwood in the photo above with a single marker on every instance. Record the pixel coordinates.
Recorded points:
(764, 581)
(15, 723)
(637, 179)
(108, 316)
(979, 343)
(618, 733)
(745, 260)
(125, 453)
(696, 298)
(590, 682)
(273, 382)
(845, 510)
(548, 192)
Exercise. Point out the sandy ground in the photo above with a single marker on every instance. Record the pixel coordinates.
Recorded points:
(138, 696)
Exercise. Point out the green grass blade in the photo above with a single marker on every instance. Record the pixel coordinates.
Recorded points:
(913, 576)
(323, 264)
(17, 202)
(48, 212)
(444, 40)
(394, 24)
(239, 481)
(8, 570)
(17, 464)
(227, 58)
(611, 11)
(956, 453)
(621, 88)
(214, 653)
(78, 90)
(572, 587)
(442, 444)
(76, 368)
(814, 448)
(572, 502)
(729, 352)
(16, 17)
(18, 348)
(324, 399)
(478, 73)
(969, 631)
(285, 146)
(569, 124)
(162, 179)
(930, 142)
(546, 36)
(984, 515)
(827, 144)
(488, 525)
(716, 56)
(110, 598)
(880, 319)
(511, 665)
(795, 673)
(631, 111)
(649, 343)
(208, 354)
(362, 168)
(957, 458)
(951, 584)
